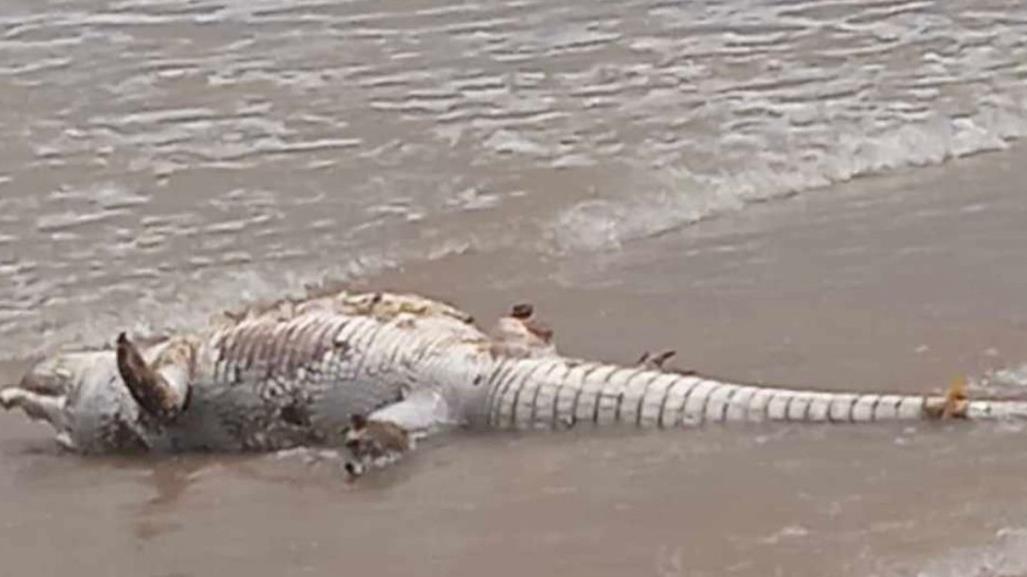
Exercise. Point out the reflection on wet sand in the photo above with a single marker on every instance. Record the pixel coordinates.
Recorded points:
(169, 478)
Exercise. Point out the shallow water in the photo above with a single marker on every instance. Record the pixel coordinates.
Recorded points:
(163, 160)
(189, 153)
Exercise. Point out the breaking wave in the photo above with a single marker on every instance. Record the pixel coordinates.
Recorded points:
(675, 197)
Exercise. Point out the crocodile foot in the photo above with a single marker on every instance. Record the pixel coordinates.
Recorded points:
(657, 362)
(161, 387)
(373, 443)
(521, 335)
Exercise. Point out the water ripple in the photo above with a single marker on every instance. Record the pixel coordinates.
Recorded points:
(149, 144)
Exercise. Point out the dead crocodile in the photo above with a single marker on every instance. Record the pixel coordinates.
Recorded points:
(374, 370)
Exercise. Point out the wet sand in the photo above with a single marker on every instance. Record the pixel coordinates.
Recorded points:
(819, 195)
(890, 283)
(895, 282)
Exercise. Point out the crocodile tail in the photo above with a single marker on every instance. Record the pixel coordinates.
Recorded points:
(559, 393)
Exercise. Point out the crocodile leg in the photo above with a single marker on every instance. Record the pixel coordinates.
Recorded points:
(37, 406)
(386, 435)
(161, 387)
(41, 407)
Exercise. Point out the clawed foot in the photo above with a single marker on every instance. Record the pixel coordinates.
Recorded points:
(151, 390)
(37, 406)
(374, 443)
(521, 335)
(9, 398)
(657, 362)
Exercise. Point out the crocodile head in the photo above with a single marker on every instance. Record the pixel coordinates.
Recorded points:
(82, 396)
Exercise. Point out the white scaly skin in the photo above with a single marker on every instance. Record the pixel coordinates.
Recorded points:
(294, 374)
(287, 375)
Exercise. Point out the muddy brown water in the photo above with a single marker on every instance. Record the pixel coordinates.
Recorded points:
(820, 195)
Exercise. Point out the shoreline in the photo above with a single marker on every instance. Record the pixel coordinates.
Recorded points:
(882, 284)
